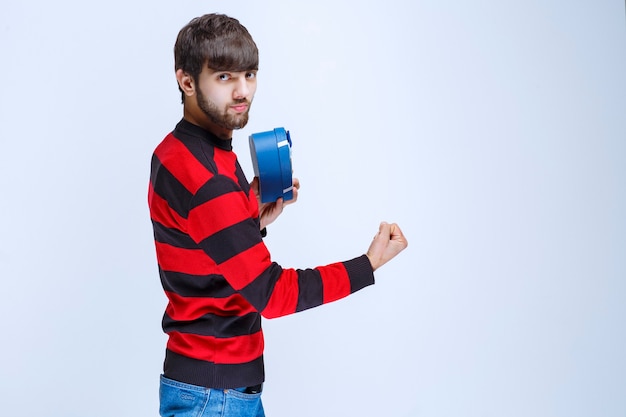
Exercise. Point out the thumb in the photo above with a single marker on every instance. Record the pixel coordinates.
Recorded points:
(388, 242)
(376, 251)
(255, 184)
(384, 231)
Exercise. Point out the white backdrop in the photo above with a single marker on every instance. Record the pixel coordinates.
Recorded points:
(492, 131)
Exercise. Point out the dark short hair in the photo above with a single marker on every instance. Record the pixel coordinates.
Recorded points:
(218, 41)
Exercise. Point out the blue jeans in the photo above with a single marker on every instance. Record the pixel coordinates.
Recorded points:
(184, 400)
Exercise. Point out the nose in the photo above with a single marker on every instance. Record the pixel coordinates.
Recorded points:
(242, 89)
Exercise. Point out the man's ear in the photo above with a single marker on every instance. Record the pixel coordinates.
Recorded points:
(186, 82)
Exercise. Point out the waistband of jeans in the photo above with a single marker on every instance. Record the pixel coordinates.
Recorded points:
(254, 389)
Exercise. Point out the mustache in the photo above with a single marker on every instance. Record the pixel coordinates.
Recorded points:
(242, 101)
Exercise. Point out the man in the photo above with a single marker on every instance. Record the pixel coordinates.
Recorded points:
(208, 227)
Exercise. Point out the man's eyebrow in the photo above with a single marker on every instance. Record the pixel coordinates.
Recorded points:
(214, 71)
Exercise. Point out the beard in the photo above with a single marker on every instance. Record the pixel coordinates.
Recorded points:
(222, 118)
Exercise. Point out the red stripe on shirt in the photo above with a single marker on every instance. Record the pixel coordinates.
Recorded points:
(189, 308)
(284, 298)
(254, 205)
(182, 164)
(217, 214)
(336, 282)
(245, 267)
(226, 159)
(231, 350)
(188, 261)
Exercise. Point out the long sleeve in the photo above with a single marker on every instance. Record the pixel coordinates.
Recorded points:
(215, 268)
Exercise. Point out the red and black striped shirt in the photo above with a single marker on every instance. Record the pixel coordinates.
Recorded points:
(215, 269)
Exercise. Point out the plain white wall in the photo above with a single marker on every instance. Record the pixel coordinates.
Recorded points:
(492, 131)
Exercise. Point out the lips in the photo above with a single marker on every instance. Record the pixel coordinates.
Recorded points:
(240, 108)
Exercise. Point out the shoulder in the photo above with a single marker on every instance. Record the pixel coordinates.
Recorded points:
(183, 160)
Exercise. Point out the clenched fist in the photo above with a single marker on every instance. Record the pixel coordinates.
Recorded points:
(388, 242)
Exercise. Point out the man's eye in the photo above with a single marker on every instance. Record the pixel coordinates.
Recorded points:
(250, 75)
(224, 77)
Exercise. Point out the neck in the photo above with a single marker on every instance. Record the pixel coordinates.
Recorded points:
(197, 117)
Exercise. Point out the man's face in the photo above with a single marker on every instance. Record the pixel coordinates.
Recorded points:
(225, 97)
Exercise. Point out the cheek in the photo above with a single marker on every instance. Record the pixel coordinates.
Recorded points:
(215, 95)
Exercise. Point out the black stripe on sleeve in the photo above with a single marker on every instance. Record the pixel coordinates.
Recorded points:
(195, 285)
(259, 291)
(165, 184)
(232, 240)
(217, 186)
(311, 289)
(172, 237)
(360, 273)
